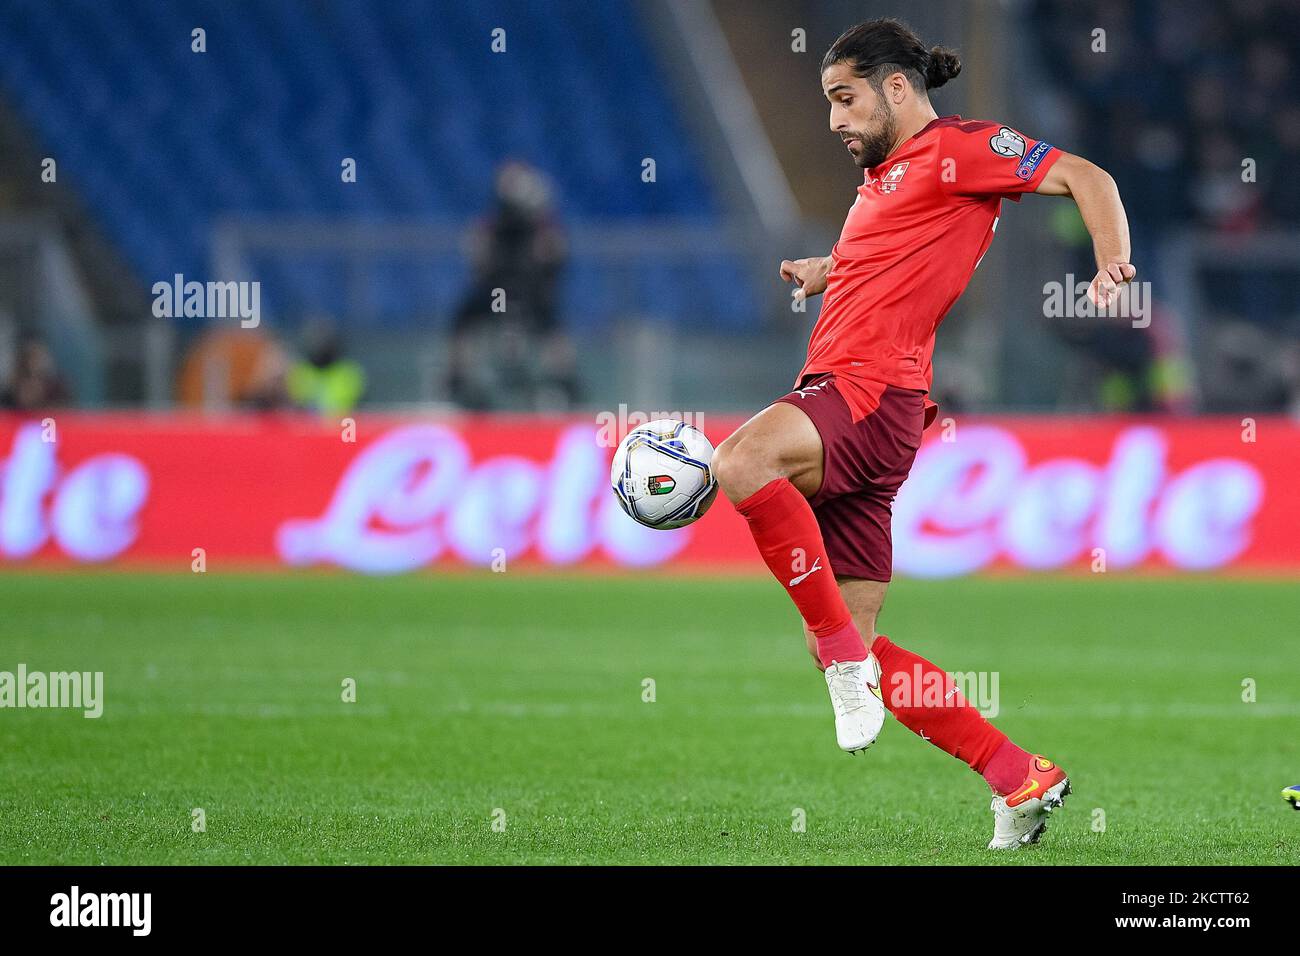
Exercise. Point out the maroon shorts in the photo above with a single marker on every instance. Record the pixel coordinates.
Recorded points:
(863, 465)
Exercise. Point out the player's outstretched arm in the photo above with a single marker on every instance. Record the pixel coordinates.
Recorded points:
(808, 275)
(1097, 196)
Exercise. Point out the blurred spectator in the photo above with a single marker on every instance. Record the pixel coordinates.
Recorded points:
(323, 380)
(1200, 87)
(1143, 369)
(1195, 109)
(36, 383)
(508, 349)
(1251, 370)
(1283, 192)
(1289, 360)
(1124, 368)
(240, 367)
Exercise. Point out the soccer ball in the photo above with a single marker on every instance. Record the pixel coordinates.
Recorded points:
(661, 474)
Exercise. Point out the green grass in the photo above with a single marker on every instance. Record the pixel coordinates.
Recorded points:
(524, 693)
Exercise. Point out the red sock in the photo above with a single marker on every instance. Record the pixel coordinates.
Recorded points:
(785, 529)
(1007, 768)
(926, 701)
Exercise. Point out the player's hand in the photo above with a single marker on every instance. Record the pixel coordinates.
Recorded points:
(1104, 288)
(808, 275)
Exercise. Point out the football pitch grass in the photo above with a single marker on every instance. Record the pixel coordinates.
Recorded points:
(517, 700)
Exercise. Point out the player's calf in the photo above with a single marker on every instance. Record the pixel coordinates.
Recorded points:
(810, 642)
(779, 447)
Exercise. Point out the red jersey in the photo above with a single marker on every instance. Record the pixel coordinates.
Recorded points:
(921, 223)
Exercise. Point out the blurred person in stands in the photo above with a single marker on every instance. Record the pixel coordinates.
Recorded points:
(1133, 369)
(36, 382)
(234, 367)
(1250, 369)
(508, 348)
(1283, 189)
(1222, 199)
(323, 380)
(1290, 357)
(1122, 367)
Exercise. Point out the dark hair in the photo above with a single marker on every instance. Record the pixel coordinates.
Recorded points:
(877, 48)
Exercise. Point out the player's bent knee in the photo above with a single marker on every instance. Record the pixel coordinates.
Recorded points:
(738, 470)
(726, 467)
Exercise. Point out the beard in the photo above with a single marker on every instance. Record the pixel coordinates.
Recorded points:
(875, 146)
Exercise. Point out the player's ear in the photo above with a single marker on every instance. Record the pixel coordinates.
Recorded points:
(895, 87)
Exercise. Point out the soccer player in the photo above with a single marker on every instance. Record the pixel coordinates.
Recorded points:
(815, 473)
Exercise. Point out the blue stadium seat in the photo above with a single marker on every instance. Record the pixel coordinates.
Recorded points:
(160, 141)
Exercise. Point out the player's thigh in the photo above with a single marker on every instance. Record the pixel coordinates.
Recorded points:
(779, 442)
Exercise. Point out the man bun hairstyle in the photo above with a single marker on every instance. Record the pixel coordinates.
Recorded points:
(944, 65)
(876, 48)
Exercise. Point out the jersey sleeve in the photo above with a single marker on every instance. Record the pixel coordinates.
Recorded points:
(988, 159)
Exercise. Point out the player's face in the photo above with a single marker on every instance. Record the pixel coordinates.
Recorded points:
(859, 116)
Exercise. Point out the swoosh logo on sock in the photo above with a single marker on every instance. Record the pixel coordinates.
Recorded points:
(817, 566)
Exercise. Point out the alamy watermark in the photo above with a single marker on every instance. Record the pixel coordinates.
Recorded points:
(614, 426)
(75, 690)
(76, 908)
(1069, 300)
(179, 299)
(933, 689)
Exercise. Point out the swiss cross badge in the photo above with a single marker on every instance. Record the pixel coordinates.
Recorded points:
(889, 182)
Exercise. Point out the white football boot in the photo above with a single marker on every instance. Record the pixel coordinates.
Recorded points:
(855, 695)
(1020, 818)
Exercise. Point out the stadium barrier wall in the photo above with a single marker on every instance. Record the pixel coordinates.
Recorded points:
(528, 491)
